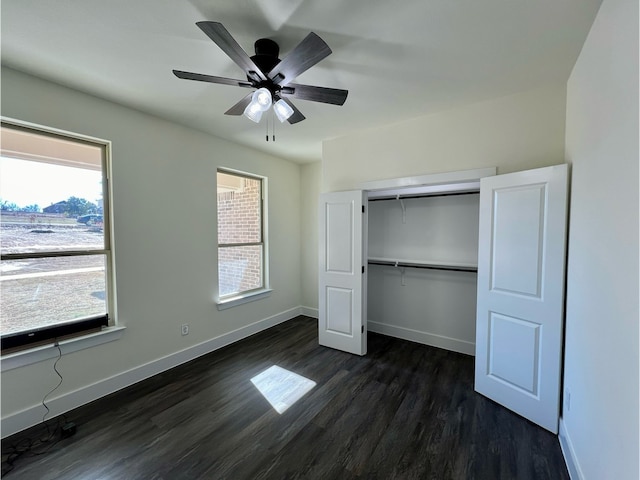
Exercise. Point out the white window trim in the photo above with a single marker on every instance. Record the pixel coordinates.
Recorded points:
(244, 297)
(108, 334)
(50, 350)
(251, 295)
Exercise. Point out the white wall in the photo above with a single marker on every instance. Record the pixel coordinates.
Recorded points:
(164, 198)
(599, 428)
(514, 133)
(310, 181)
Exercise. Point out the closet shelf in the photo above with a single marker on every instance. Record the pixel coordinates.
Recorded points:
(430, 264)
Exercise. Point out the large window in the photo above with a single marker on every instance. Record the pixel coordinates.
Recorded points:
(241, 246)
(54, 221)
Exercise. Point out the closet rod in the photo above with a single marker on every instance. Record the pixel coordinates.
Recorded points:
(426, 195)
(429, 267)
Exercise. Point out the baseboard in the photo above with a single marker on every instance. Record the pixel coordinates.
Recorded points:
(59, 405)
(440, 341)
(309, 312)
(569, 453)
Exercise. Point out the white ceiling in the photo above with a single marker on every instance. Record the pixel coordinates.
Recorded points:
(398, 59)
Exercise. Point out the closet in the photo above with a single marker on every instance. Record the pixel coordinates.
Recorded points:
(469, 261)
(422, 267)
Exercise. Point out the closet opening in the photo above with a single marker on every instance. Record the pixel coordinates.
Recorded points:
(422, 264)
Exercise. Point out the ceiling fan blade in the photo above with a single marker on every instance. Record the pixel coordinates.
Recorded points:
(333, 96)
(297, 115)
(238, 108)
(306, 54)
(211, 79)
(221, 37)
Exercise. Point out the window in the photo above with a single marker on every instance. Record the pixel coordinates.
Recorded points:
(55, 267)
(241, 244)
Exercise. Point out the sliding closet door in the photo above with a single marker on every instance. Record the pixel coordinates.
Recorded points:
(520, 310)
(342, 281)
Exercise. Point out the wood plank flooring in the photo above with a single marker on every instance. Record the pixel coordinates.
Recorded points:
(404, 411)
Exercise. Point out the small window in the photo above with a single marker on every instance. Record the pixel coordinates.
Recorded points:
(241, 243)
(55, 267)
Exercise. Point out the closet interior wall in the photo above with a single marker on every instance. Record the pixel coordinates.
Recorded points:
(435, 306)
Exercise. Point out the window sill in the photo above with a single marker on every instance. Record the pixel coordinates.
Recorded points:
(46, 352)
(243, 298)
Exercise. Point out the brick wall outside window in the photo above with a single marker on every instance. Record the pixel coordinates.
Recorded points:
(239, 221)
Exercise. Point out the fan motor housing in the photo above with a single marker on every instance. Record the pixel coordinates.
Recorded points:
(266, 56)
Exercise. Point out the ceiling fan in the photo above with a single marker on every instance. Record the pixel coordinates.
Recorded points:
(270, 76)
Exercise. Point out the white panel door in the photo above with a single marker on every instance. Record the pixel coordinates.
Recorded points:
(342, 298)
(520, 311)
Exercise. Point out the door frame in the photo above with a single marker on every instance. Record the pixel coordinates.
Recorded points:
(439, 183)
(433, 183)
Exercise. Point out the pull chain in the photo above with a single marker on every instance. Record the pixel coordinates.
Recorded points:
(273, 127)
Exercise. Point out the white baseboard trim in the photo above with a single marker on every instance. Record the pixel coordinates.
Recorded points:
(440, 341)
(575, 472)
(33, 415)
(309, 312)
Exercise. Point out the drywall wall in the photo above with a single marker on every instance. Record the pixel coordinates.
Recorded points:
(164, 220)
(310, 179)
(515, 132)
(599, 427)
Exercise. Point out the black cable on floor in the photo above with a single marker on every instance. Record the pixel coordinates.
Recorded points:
(38, 446)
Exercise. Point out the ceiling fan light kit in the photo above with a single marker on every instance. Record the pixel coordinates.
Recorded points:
(283, 110)
(260, 103)
(270, 76)
(253, 112)
(262, 97)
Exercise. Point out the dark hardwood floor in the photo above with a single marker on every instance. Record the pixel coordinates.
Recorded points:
(404, 411)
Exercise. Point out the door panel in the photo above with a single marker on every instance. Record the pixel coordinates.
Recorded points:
(511, 337)
(342, 281)
(517, 252)
(340, 242)
(520, 311)
(339, 310)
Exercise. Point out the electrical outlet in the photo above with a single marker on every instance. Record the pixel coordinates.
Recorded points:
(185, 329)
(567, 399)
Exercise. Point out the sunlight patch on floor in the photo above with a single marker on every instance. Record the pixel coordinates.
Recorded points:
(281, 387)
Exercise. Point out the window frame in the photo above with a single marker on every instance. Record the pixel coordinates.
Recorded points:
(230, 300)
(38, 337)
